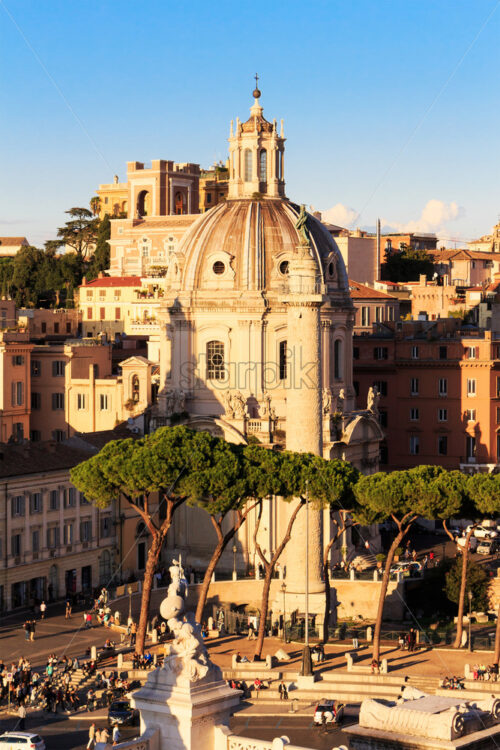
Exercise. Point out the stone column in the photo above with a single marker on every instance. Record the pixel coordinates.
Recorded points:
(304, 410)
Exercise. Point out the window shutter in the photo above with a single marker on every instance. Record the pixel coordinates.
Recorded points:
(31, 502)
(23, 505)
(57, 530)
(48, 538)
(12, 509)
(13, 394)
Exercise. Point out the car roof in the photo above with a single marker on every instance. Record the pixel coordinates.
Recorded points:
(19, 734)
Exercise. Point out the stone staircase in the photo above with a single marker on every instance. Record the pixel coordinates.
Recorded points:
(363, 560)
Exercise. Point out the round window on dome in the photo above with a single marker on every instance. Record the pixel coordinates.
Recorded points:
(331, 269)
(284, 269)
(219, 267)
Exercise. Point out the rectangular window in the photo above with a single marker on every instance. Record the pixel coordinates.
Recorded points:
(68, 533)
(57, 401)
(470, 448)
(442, 415)
(35, 541)
(58, 367)
(391, 312)
(106, 527)
(102, 294)
(35, 436)
(442, 445)
(36, 368)
(83, 499)
(365, 316)
(56, 327)
(81, 401)
(283, 357)
(355, 352)
(69, 497)
(17, 393)
(90, 294)
(103, 402)
(36, 502)
(89, 313)
(102, 313)
(471, 415)
(498, 387)
(414, 415)
(471, 352)
(414, 352)
(379, 314)
(17, 359)
(443, 387)
(16, 545)
(118, 313)
(58, 435)
(443, 352)
(471, 387)
(355, 385)
(117, 293)
(54, 500)
(36, 400)
(68, 327)
(381, 386)
(86, 531)
(53, 537)
(17, 506)
(414, 445)
(44, 327)
(382, 418)
(380, 352)
(414, 387)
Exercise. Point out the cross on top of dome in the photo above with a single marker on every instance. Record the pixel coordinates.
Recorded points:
(256, 91)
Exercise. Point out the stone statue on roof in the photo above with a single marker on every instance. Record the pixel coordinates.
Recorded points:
(301, 226)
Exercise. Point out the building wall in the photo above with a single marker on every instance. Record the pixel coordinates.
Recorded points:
(42, 323)
(47, 573)
(430, 415)
(369, 311)
(360, 257)
(15, 352)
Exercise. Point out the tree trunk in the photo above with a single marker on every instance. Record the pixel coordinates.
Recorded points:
(326, 577)
(147, 586)
(496, 657)
(463, 583)
(202, 596)
(385, 584)
(269, 567)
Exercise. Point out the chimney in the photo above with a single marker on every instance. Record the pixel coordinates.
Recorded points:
(84, 281)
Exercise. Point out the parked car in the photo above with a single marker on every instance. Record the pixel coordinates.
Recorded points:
(408, 568)
(482, 532)
(121, 712)
(472, 543)
(21, 741)
(328, 712)
(487, 547)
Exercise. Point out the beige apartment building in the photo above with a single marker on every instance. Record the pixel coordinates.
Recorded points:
(15, 380)
(52, 541)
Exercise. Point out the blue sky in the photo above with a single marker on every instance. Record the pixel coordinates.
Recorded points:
(391, 107)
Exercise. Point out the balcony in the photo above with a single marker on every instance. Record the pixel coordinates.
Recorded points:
(145, 326)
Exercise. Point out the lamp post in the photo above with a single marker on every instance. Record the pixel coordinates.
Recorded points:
(469, 594)
(283, 589)
(129, 590)
(235, 550)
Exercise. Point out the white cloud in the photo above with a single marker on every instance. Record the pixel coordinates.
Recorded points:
(434, 217)
(341, 215)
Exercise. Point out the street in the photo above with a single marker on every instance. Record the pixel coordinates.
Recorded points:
(299, 729)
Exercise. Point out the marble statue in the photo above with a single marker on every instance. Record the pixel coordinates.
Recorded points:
(327, 400)
(265, 408)
(340, 401)
(188, 656)
(228, 404)
(239, 405)
(169, 402)
(179, 400)
(372, 400)
(301, 226)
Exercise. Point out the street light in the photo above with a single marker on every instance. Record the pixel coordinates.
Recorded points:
(235, 550)
(129, 589)
(469, 594)
(283, 588)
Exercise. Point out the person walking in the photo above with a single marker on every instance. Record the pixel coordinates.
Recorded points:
(26, 627)
(91, 742)
(104, 736)
(68, 609)
(133, 633)
(251, 631)
(116, 735)
(43, 609)
(282, 689)
(32, 630)
(21, 712)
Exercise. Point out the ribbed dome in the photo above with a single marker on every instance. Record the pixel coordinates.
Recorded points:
(246, 244)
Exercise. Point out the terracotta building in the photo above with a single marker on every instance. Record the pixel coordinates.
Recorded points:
(440, 393)
(371, 306)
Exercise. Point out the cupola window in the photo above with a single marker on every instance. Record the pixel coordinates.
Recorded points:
(215, 360)
(284, 267)
(263, 165)
(248, 165)
(218, 267)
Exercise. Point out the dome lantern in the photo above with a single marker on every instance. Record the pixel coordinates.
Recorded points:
(256, 156)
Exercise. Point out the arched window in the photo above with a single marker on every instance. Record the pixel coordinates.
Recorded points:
(248, 165)
(105, 567)
(143, 203)
(337, 359)
(215, 360)
(263, 165)
(135, 388)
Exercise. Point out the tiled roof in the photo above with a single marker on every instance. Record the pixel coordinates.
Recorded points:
(360, 291)
(33, 458)
(461, 254)
(11, 241)
(115, 281)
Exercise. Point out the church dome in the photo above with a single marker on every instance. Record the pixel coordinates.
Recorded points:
(248, 244)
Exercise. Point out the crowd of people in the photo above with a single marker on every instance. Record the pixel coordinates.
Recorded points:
(485, 673)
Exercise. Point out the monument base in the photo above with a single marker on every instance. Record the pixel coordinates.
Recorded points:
(185, 712)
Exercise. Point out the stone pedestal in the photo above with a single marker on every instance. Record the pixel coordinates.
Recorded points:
(185, 712)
